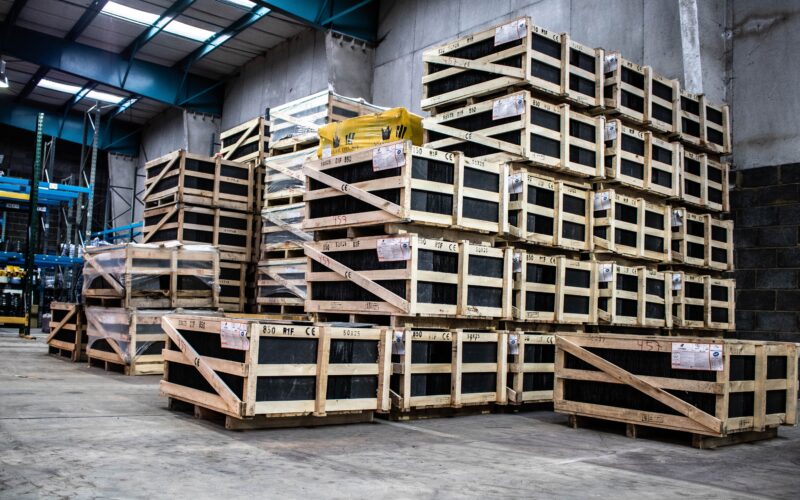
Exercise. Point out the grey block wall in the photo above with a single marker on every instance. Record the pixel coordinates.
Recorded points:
(766, 212)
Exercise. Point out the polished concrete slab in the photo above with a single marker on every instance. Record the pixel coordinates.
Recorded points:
(70, 431)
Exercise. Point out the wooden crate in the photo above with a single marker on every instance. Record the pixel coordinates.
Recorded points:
(706, 387)
(703, 302)
(282, 234)
(284, 181)
(705, 182)
(704, 125)
(629, 226)
(640, 160)
(516, 54)
(282, 284)
(67, 336)
(182, 177)
(295, 124)
(152, 276)
(401, 183)
(701, 240)
(264, 372)
(547, 211)
(229, 231)
(634, 296)
(128, 339)
(233, 289)
(520, 128)
(447, 369)
(408, 276)
(663, 103)
(247, 142)
(531, 361)
(554, 289)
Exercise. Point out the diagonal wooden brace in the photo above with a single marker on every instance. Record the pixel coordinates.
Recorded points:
(350, 190)
(477, 65)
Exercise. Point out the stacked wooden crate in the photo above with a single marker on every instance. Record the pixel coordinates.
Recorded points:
(67, 337)
(209, 201)
(293, 140)
(128, 288)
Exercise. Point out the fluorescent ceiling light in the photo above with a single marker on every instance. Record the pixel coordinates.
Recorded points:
(247, 4)
(149, 19)
(74, 89)
(3, 76)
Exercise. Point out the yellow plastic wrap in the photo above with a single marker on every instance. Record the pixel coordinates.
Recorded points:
(368, 131)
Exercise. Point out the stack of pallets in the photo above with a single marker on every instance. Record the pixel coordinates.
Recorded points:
(207, 201)
(128, 288)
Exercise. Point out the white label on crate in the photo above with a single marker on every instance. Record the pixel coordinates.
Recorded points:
(677, 218)
(514, 183)
(326, 152)
(606, 273)
(233, 335)
(398, 343)
(392, 249)
(611, 131)
(610, 63)
(690, 356)
(602, 201)
(516, 263)
(508, 106)
(513, 344)
(676, 281)
(387, 157)
(509, 32)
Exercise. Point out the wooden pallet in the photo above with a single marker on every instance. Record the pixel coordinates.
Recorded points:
(516, 53)
(401, 183)
(638, 159)
(520, 128)
(247, 142)
(634, 296)
(703, 302)
(543, 210)
(447, 369)
(701, 240)
(284, 181)
(530, 367)
(67, 337)
(705, 182)
(688, 384)
(281, 282)
(250, 369)
(182, 177)
(294, 125)
(630, 226)
(554, 289)
(229, 231)
(704, 125)
(408, 276)
(151, 275)
(233, 286)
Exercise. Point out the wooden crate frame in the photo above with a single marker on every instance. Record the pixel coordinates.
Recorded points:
(223, 179)
(614, 275)
(119, 329)
(246, 366)
(388, 302)
(689, 418)
(72, 324)
(607, 221)
(518, 121)
(519, 365)
(670, 105)
(521, 206)
(233, 282)
(246, 142)
(120, 267)
(282, 233)
(403, 369)
(705, 182)
(226, 225)
(298, 115)
(386, 212)
(284, 181)
(692, 290)
(701, 240)
(271, 274)
(696, 126)
(566, 59)
(558, 287)
(621, 148)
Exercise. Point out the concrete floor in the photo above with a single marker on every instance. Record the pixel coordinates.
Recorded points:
(70, 431)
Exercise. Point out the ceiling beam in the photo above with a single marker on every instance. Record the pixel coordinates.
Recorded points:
(153, 81)
(145, 36)
(356, 18)
(92, 11)
(14, 12)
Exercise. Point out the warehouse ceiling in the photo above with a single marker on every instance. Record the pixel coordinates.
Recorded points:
(137, 58)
